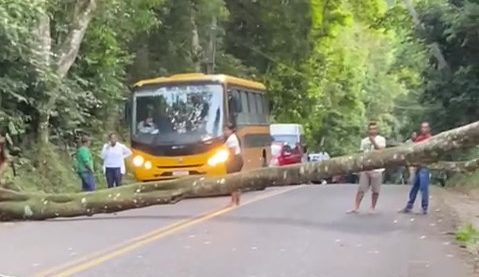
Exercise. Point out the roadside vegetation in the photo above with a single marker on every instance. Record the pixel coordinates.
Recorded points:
(468, 236)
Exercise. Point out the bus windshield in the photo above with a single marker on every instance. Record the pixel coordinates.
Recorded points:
(178, 114)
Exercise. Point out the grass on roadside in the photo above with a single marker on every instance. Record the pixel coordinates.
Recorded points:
(468, 236)
(464, 180)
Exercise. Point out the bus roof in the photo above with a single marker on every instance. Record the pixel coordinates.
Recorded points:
(187, 77)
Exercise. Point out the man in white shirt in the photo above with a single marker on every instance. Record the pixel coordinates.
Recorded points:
(235, 162)
(372, 178)
(114, 155)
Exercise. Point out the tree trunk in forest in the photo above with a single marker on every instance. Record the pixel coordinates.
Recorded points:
(52, 71)
(43, 130)
(35, 206)
(44, 53)
(434, 46)
(196, 49)
(210, 60)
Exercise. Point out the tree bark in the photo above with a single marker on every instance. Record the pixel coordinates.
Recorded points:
(33, 206)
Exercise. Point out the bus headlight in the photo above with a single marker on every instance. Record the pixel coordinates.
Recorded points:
(219, 157)
(138, 161)
(148, 165)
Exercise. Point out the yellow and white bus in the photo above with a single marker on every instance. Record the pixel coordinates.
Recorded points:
(177, 125)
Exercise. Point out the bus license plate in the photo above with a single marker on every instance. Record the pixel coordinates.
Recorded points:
(181, 173)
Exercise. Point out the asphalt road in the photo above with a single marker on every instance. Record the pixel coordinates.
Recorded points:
(292, 232)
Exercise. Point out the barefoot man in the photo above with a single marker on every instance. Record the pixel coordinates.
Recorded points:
(373, 178)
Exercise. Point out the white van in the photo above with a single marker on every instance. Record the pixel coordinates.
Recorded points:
(291, 134)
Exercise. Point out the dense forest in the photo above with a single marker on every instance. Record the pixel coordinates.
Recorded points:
(331, 65)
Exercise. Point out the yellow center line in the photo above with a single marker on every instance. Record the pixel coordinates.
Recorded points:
(97, 258)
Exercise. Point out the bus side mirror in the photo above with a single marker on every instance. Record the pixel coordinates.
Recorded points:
(237, 104)
(234, 104)
(127, 112)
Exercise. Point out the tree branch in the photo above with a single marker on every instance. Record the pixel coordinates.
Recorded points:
(456, 167)
(68, 50)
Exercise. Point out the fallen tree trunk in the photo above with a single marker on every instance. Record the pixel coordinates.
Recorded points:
(34, 206)
(456, 167)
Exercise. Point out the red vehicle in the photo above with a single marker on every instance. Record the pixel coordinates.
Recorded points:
(284, 154)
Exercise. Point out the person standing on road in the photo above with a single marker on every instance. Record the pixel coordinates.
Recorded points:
(235, 162)
(84, 165)
(372, 178)
(114, 155)
(421, 181)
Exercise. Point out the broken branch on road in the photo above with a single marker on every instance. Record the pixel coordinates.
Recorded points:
(37, 206)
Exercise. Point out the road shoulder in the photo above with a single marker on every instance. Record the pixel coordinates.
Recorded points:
(463, 209)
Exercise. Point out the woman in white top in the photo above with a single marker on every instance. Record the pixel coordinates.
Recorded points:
(235, 163)
(114, 155)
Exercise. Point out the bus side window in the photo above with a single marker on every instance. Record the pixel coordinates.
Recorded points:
(264, 116)
(253, 118)
(267, 108)
(234, 105)
(259, 105)
(249, 112)
(243, 114)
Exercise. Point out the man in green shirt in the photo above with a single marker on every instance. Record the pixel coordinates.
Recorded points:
(84, 165)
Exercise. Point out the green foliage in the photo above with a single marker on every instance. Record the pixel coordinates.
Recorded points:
(16, 69)
(456, 94)
(468, 235)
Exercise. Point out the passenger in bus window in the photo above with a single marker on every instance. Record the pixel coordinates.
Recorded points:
(235, 163)
(148, 126)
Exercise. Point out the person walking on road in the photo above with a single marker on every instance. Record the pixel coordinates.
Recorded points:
(373, 178)
(114, 155)
(235, 162)
(84, 165)
(421, 181)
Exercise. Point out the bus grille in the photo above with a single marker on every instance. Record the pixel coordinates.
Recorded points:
(178, 166)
